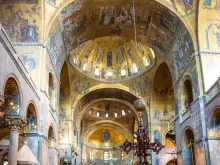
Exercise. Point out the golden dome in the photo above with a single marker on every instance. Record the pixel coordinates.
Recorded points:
(112, 59)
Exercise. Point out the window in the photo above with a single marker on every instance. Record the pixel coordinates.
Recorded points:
(105, 155)
(85, 66)
(146, 63)
(110, 73)
(97, 71)
(123, 72)
(122, 112)
(122, 155)
(152, 52)
(116, 115)
(91, 155)
(135, 69)
(75, 59)
(106, 115)
(98, 114)
(91, 111)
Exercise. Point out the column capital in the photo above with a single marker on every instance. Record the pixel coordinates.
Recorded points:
(16, 124)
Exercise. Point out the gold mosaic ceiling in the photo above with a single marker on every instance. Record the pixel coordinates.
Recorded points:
(113, 109)
(101, 41)
(115, 138)
(112, 59)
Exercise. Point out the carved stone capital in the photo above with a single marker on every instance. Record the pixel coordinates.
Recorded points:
(16, 124)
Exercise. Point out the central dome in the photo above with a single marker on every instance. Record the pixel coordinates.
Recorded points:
(112, 59)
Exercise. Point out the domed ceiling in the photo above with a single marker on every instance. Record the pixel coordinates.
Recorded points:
(112, 59)
(100, 38)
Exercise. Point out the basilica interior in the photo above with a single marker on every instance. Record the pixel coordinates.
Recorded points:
(109, 82)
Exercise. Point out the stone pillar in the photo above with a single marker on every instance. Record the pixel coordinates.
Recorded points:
(15, 126)
(78, 137)
(84, 155)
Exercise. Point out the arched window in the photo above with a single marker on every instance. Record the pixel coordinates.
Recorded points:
(122, 155)
(91, 111)
(105, 155)
(91, 155)
(123, 73)
(12, 97)
(123, 113)
(146, 63)
(98, 114)
(187, 95)
(51, 90)
(31, 119)
(97, 71)
(188, 147)
(110, 73)
(152, 52)
(85, 66)
(75, 59)
(214, 130)
(51, 138)
(135, 69)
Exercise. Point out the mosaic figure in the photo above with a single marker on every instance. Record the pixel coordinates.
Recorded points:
(217, 33)
(156, 136)
(109, 58)
(106, 16)
(100, 54)
(32, 32)
(119, 56)
(106, 136)
(207, 2)
(29, 60)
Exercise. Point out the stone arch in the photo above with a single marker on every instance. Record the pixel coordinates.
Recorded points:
(187, 143)
(13, 96)
(168, 5)
(82, 113)
(83, 99)
(103, 123)
(51, 89)
(186, 93)
(64, 92)
(213, 125)
(162, 95)
(32, 118)
(51, 136)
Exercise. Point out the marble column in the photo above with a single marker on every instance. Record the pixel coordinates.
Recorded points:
(16, 126)
(78, 137)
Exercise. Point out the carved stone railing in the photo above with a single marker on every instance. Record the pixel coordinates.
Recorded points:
(213, 91)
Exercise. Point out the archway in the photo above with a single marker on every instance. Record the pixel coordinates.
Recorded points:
(65, 106)
(51, 90)
(51, 137)
(186, 95)
(188, 153)
(170, 139)
(12, 100)
(52, 152)
(31, 118)
(162, 102)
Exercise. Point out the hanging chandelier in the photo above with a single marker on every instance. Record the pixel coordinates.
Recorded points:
(142, 147)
